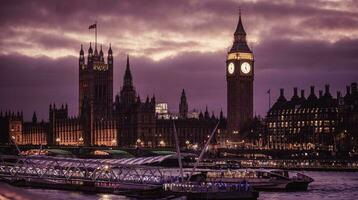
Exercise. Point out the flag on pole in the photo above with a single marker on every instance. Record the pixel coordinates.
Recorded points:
(269, 91)
(92, 26)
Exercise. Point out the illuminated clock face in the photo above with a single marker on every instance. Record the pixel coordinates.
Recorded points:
(245, 68)
(231, 68)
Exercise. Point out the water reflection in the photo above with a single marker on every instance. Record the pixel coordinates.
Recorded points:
(327, 186)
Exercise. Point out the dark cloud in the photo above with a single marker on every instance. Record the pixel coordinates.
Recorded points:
(52, 41)
(312, 54)
(328, 22)
(33, 83)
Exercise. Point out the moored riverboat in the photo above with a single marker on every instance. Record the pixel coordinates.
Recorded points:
(211, 190)
(267, 180)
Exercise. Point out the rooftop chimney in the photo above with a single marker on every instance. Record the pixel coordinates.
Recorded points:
(348, 90)
(302, 94)
(326, 89)
(312, 90)
(320, 93)
(338, 94)
(282, 92)
(354, 88)
(295, 91)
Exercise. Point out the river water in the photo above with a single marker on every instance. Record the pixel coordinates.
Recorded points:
(327, 186)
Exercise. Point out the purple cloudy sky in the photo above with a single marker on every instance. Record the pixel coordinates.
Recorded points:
(174, 45)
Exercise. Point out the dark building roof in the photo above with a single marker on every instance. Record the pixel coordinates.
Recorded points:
(325, 100)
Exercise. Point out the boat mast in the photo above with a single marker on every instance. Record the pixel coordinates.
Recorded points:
(178, 151)
(203, 151)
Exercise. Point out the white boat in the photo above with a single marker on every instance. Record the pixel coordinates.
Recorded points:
(262, 179)
(211, 190)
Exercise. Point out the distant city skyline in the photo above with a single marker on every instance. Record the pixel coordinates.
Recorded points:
(296, 44)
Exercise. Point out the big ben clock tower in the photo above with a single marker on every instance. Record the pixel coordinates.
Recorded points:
(240, 78)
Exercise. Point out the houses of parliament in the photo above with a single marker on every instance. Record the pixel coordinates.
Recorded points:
(129, 121)
(318, 123)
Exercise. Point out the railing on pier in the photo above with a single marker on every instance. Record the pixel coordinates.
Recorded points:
(81, 170)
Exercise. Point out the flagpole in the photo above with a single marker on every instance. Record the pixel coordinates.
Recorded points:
(269, 99)
(96, 35)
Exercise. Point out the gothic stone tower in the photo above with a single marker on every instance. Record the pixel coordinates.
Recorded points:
(183, 106)
(240, 78)
(136, 119)
(96, 82)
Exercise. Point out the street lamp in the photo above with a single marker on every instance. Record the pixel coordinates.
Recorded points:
(114, 142)
(106, 168)
(195, 146)
(80, 139)
(58, 140)
(187, 144)
(139, 142)
(162, 143)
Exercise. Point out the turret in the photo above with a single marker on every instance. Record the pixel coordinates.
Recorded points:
(90, 50)
(127, 94)
(90, 53)
(127, 75)
(213, 116)
(183, 106)
(201, 116)
(221, 114)
(101, 57)
(95, 50)
(206, 114)
(81, 51)
(147, 100)
(110, 50)
(152, 100)
(110, 56)
(138, 99)
(82, 57)
(34, 118)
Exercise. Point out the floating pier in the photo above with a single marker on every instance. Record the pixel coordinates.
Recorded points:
(79, 174)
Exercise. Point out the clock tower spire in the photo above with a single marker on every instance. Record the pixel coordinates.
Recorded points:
(240, 78)
(240, 44)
